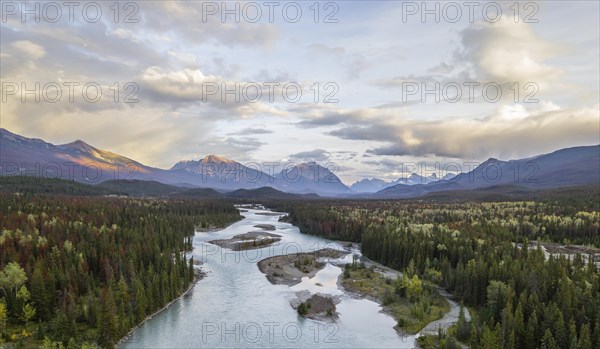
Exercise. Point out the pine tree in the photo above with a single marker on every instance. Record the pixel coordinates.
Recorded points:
(572, 335)
(107, 321)
(474, 336)
(548, 341)
(3, 317)
(584, 337)
(560, 332)
(38, 293)
(140, 297)
(190, 275)
(531, 338)
(462, 327)
(596, 333)
(519, 327)
(508, 332)
(490, 339)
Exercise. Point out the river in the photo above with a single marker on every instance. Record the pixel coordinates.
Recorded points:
(235, 306)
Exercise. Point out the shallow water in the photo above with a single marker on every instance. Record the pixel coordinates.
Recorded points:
(235, 306)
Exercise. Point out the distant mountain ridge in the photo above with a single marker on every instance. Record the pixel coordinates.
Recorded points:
(84, 163)
(370, 185)
(562, 168)
(375, 184)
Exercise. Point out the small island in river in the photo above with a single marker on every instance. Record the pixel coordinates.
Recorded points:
(317, 307)
(249, 241)
(291, 268)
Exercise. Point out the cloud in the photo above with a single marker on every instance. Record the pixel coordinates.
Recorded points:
(506, 51)
(324, 117)
(189, 20)
(336, 161)
(317, 155)
(324, 50)
(356, 66)
(33, 51)
(250, 131)
(510, 131)
(192, 86)
(373, 131)
(354, 63)
(235, 148)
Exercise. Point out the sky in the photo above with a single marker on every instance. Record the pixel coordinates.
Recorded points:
(372, 88)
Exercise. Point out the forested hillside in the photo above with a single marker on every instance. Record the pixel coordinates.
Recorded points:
(83, 271)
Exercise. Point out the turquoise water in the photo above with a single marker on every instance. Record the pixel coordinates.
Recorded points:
(235, 306)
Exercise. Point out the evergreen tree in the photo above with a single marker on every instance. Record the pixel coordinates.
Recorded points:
(585, 341)
(548, 341)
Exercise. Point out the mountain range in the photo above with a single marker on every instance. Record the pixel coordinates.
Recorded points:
(84, 163)
(561, 168)
(373, 185)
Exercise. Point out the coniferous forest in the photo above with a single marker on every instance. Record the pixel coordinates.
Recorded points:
(501, 260)
(82, 272)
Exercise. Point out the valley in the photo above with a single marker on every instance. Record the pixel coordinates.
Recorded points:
(390, 271)
(299, 174)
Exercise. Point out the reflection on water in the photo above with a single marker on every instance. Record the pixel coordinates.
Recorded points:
(235, 305)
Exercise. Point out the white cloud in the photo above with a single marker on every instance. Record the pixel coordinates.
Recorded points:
(506, 51)
(31, 50)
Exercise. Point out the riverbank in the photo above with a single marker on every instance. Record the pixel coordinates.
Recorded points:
(197, 277)
(413, 303)
(214, 228)
(444, 321)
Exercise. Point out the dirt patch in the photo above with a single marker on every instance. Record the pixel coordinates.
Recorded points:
(290, 269)
(249, 241)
